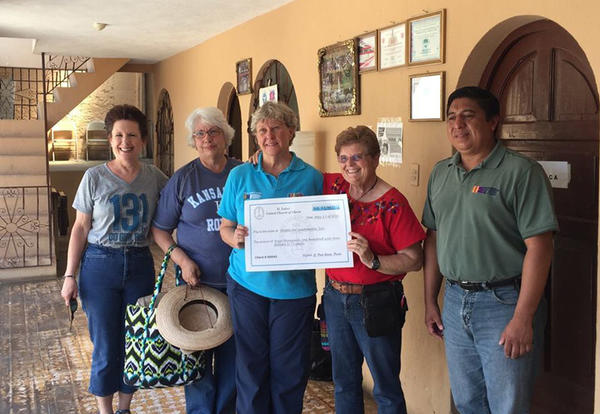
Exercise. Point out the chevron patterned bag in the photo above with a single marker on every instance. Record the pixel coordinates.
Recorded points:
(150, 361)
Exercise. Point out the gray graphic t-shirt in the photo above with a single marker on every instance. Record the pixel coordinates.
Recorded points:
(121, 212)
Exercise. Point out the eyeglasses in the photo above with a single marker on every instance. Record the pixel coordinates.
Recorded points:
(213, 132)
(72, 308)
(342, 159)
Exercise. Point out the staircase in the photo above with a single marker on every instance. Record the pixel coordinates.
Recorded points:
(26, 244)
(82, 84)
(26, 221)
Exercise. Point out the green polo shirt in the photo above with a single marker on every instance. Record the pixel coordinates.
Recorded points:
(482, 217)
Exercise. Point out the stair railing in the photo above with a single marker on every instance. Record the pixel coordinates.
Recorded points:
(26, 236)
(57, 70)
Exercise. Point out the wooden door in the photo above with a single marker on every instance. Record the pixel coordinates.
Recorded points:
(272, 73)
(164, 134)
(549, 111)
(234, 118)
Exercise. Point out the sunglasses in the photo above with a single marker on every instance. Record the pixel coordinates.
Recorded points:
(73, 309)
(342, 159)
(213, 132)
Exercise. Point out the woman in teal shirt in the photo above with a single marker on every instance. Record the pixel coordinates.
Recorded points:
(272, 311)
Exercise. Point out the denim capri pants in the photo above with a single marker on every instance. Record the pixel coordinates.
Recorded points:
(111, 278)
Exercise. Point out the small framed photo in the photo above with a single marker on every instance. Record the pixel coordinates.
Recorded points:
(427, 38)
(267, 94)
(392, 46)
(367, 52)
(338, 79)
(243, 70)
(427, 97)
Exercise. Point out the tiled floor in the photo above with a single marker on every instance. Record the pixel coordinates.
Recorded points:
(44, 368)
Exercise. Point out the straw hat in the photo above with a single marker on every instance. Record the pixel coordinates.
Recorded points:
(194, 319)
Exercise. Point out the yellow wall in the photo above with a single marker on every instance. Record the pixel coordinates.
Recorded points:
(294, 33)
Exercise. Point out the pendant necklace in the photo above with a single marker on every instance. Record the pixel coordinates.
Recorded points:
(365, 193)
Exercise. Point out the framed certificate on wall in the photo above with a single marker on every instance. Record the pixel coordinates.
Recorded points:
(427, 38)
(367, 52)
(392, 46)
(427, 97)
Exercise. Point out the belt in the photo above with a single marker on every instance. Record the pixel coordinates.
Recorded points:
(122, 249)
(476, 286)
(346, 288)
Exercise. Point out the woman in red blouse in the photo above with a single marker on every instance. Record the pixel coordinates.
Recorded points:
(365, 305)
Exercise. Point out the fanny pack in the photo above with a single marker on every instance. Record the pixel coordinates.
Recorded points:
(384, 306)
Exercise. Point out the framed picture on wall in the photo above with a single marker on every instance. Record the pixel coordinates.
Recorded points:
(243, 70)
(367, 52)
(427, 97)
(392, 46)
(427, 38)
(338, 78)
(267, 94)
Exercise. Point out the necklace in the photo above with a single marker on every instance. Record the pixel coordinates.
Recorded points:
(370, 188)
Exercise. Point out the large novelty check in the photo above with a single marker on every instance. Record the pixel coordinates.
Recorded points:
(297, 233)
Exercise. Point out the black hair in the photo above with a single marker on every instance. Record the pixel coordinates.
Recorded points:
(484, 98)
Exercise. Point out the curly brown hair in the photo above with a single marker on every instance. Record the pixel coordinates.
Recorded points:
(126, 113)
(359, 134)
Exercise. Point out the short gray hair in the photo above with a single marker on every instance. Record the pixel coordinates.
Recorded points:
(277, 111)
(212, 116)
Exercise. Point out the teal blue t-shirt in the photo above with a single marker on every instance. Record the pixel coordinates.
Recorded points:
(250, 182)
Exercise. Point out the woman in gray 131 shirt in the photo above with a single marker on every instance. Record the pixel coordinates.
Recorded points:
(115, 203)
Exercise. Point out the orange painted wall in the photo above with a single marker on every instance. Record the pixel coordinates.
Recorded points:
(294, 33)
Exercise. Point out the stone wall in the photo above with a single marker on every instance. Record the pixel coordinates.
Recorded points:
(120, 88)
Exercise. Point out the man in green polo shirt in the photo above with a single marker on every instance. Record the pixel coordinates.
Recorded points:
(490, 222)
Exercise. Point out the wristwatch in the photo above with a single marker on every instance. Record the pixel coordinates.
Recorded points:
(375, 263)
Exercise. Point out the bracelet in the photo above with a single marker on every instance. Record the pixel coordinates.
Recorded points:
(171, 248)
(66, 276)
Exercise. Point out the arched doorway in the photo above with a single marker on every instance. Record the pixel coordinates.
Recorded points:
(549, 111)
(229, 104)
(272, 73)
(164, 134)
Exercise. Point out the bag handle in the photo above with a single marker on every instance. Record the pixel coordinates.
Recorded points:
(157, 288)
(161, 275)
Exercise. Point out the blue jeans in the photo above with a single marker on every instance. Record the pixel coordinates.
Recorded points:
(215, 392)
(482, 378)
(272, 339)
(349, 344)
(109, 280)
